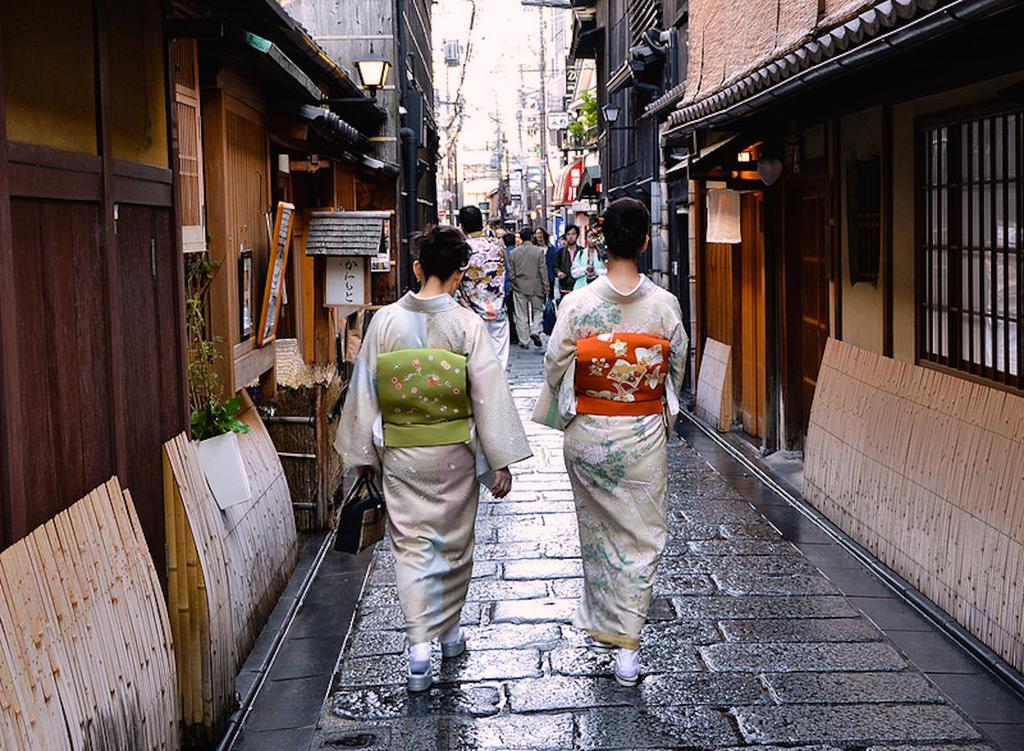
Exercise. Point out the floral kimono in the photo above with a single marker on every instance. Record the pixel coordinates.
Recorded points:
(613, 370)
(433, 446)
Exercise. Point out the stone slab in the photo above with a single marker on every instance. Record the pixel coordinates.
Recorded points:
(387, 702)
(755, 606)
(544, 568)
(852, 688)
(493, 589)
(851, 724)
(806, 657)
(800, 630)
(513, 636)
(746, 583)
(533, 611)
(561, 692)
(703, 689)
(653, 727)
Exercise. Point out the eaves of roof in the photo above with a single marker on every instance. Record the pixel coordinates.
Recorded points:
(881, 29)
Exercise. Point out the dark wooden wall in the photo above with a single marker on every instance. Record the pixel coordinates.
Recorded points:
(92, 358)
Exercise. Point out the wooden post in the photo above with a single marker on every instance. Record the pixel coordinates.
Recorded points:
(109, 236)
(887, 231)
(179, 261)
(700, 273)
(836, 224)
(12, 491)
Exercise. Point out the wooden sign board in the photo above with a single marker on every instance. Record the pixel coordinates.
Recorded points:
(347, 282)
(714, 385)
(281, 239)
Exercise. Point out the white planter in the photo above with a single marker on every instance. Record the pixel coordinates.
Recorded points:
(221, 461)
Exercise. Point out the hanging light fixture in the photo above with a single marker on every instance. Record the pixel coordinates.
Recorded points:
(373, 71)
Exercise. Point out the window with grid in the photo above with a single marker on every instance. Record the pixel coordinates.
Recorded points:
(970, 256)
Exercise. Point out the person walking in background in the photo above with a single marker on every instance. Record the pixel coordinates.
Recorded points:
(543, 239)
(619, 348)
(529, 289)
(429, 409)
(589, 262)
(483, 286)
(563, 266)
(509, 238)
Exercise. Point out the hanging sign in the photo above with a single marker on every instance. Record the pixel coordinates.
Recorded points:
(347, 282)
(280, 239)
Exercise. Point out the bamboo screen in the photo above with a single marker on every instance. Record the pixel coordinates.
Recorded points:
(226, 570)
(926, 470)
(85, 642)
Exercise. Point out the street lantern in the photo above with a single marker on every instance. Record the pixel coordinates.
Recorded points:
(611, 114)
(373, 71)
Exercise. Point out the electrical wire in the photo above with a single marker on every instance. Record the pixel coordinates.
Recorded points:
(458, 109)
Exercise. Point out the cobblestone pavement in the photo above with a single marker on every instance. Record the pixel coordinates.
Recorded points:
(748, 645)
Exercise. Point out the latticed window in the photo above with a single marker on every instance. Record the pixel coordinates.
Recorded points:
(970, 256)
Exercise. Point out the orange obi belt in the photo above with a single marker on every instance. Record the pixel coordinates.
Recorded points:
(621, 374)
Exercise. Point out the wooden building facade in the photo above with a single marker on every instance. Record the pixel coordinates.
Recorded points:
(400, 31)
(93, 368)
(869, 156)
(278, 124)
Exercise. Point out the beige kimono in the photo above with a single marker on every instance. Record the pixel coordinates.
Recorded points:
(432, 491)
(617, 464)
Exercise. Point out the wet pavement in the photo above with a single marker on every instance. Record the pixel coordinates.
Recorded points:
(749, 644)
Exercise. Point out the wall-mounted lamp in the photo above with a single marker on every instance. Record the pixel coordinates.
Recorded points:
(611, 114)
(373, 71)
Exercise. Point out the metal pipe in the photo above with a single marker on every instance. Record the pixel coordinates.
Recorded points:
(290, 420)
(900, 586)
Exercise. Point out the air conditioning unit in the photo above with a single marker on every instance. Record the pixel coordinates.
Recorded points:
(452, 53)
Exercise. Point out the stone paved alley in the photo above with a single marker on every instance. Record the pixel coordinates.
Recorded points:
(749, 644)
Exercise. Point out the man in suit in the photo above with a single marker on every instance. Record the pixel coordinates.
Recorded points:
(529, 269)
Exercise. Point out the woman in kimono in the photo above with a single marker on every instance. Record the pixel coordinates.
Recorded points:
(613, 369)
(430, 410)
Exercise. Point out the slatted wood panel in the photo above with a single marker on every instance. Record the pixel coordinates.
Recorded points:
(226, 570)
(926, 470)
(86, 658)
(714, 385)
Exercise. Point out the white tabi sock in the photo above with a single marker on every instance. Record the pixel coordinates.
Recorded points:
(419, 657)
(451, 635)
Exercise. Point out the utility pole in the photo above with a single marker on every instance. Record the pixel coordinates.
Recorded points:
(543, 118)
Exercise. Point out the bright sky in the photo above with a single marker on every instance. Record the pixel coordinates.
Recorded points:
(505, 36)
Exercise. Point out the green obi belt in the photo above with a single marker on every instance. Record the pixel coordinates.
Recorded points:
(424, 398)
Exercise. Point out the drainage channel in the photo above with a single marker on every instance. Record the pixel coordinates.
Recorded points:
(241, 714)
(900, 586)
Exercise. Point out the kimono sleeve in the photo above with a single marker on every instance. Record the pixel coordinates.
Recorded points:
(559, 364)
(678, 348)
(354, 438)
(499, 429)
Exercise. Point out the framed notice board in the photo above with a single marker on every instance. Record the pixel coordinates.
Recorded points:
(280, 241)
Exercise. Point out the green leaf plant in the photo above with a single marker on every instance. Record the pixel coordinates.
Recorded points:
(211, 414)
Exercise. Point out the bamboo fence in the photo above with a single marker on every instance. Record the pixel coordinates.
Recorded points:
(226, 571)
(926, 470)
(86, 658)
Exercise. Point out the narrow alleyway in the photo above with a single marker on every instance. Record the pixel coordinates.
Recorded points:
(749, 645)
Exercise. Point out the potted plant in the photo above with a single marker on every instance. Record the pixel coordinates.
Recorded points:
(215, 423)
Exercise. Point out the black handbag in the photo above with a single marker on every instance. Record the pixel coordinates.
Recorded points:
(362, 517)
